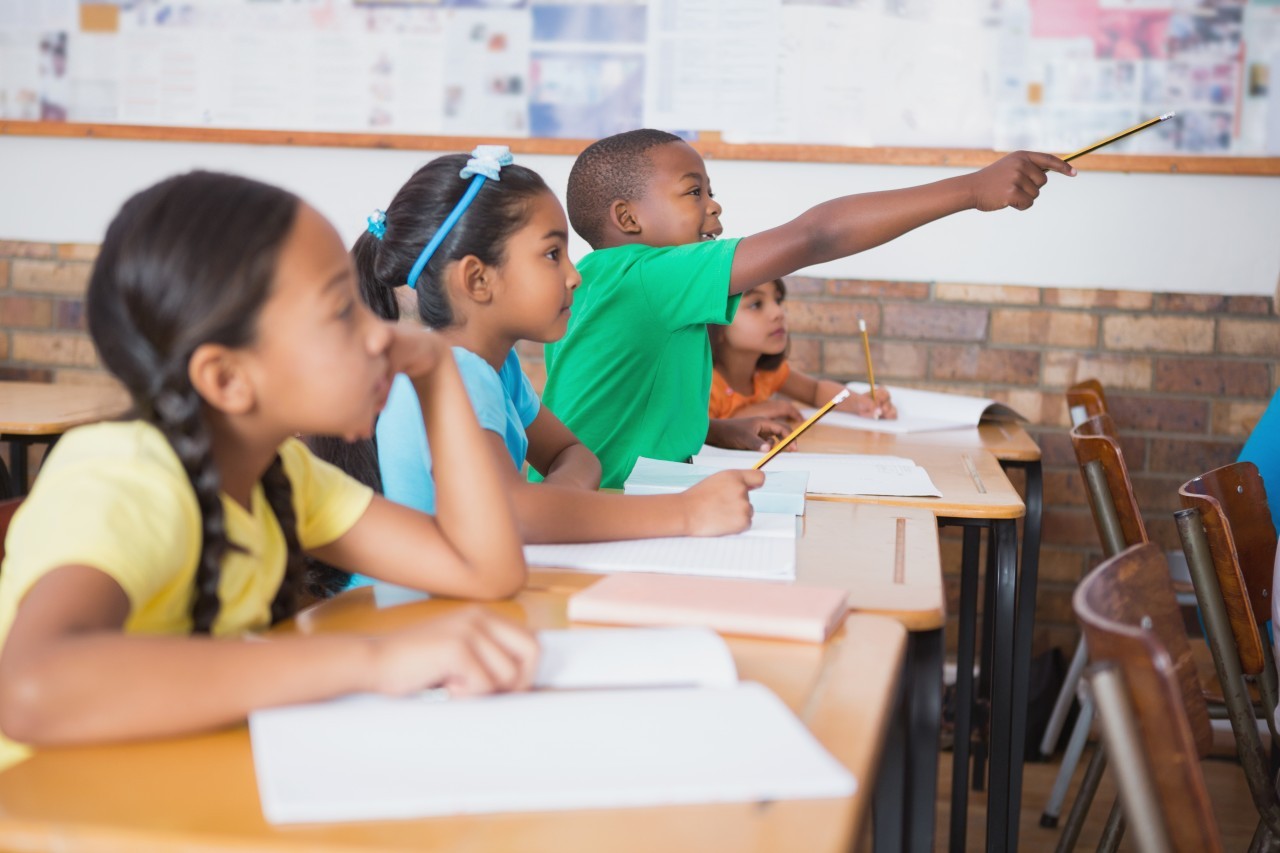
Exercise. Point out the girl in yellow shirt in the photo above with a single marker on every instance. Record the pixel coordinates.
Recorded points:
(231, 312)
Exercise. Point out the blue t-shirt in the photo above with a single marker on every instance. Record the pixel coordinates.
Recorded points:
(1263, 450)
(504, 402)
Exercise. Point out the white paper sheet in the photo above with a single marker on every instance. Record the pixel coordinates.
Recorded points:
(782, 492)
(921, 411)
(766, 552)
(592, 658)
(410, 758)
(836, 473)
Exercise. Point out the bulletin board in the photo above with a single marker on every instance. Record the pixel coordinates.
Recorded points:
(924, 82)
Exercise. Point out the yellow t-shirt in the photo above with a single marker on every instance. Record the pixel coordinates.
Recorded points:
(115, 497)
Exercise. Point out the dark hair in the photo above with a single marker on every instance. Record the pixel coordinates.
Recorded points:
(187, 262)
(616, 167)
(767, 362)
(415, 214)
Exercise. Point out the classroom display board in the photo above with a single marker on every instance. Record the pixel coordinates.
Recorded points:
(1003, 74)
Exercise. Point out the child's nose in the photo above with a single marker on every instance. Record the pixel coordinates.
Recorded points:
(574, 279)
(378, 336)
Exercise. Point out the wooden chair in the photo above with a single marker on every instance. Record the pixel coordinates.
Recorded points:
(1230, 543)
(1119, 524)
(7, 509)
(1086, 400)
(1154, 719)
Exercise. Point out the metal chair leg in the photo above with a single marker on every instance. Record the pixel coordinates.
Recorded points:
(1070, 759)
(1062, 706)
(1084, 798)
(1113, 831)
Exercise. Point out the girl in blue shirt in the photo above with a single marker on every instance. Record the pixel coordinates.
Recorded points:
(483, 245)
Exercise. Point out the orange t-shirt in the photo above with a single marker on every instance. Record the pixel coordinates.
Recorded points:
(725, 402)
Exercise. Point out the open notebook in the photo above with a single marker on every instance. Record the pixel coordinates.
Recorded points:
(782, 492)
(836, 473)
(922, 411)
(374, 758)
(767, 551)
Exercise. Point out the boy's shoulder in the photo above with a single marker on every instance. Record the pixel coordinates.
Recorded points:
(618, 260)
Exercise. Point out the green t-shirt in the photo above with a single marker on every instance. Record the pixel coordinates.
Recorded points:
(632, 376)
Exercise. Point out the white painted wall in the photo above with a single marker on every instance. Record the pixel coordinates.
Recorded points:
(1181, 233)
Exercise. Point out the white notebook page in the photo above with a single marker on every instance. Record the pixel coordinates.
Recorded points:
(377, 758)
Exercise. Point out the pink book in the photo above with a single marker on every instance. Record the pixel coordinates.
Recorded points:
(731, 606)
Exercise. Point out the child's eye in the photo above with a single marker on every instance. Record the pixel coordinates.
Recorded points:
(348, 311)
(553, 255)
(696, 191)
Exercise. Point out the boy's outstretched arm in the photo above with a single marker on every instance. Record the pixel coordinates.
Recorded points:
(855, 223)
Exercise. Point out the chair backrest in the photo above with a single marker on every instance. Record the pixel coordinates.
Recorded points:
(1085, 400)
(1131, 621)
(1107, 483)
(1242, 542)
(7, 509)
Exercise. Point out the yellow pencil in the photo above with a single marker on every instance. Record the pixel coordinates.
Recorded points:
(1121, 135)
(866, 348)
(795, 433)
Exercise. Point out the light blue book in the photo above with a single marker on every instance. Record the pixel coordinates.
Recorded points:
(782, 492)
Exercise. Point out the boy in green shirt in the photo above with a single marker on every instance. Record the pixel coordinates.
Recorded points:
(632, 375)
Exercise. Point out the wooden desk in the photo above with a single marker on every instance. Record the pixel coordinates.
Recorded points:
(199, 793)
(39, 412)
(976, 494)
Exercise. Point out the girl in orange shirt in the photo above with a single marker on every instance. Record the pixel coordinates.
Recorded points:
(750, 361)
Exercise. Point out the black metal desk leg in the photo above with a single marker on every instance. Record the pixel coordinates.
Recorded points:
(968, 616)
(924, 715)
(891, 792)
(1028, 576)
(1005, 536)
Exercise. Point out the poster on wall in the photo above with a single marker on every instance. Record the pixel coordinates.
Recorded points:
(1047, 74)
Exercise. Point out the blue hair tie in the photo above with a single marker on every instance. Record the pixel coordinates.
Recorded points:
(485, 165)
(377, 223)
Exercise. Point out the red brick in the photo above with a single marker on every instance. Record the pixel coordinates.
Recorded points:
(1218, 377)
(1069, 527)
(1053, 604)
(891, 360)
(1189, 303)
(4, 344)
(82, 376)
(69, 277)
(1061, 637)
(1251, 305)
(4, 273)
(1249, 337)
(1162, 530)
(996, 294)
(1231, 417)
(1056, 450)
(78, 251)
(1064, 488)
(935, 322)
(1066, 297)
(1158, 334)
(1161, 414)
(66, 350)
(1051, 328)
(830, 317)
(9, 373)
(878, 289)
(978, 364)
(1034, 405)
(21, 249)
(1156, 494)
(1063, 369)
(26, 312)
(803, 285)
(1190, 458)
(1058, 565)
(805, 354)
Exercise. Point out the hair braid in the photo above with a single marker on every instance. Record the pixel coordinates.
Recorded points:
(279, 494)
(176, 412)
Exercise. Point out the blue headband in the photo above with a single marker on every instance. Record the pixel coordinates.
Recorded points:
(485, 164)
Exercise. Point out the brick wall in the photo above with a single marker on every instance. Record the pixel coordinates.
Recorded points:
(1187, 375)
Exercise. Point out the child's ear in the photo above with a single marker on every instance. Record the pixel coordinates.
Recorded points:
(220, 376)
(623, 217)
(476, 279)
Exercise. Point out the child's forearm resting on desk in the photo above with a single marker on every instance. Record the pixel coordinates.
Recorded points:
(68, 675)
